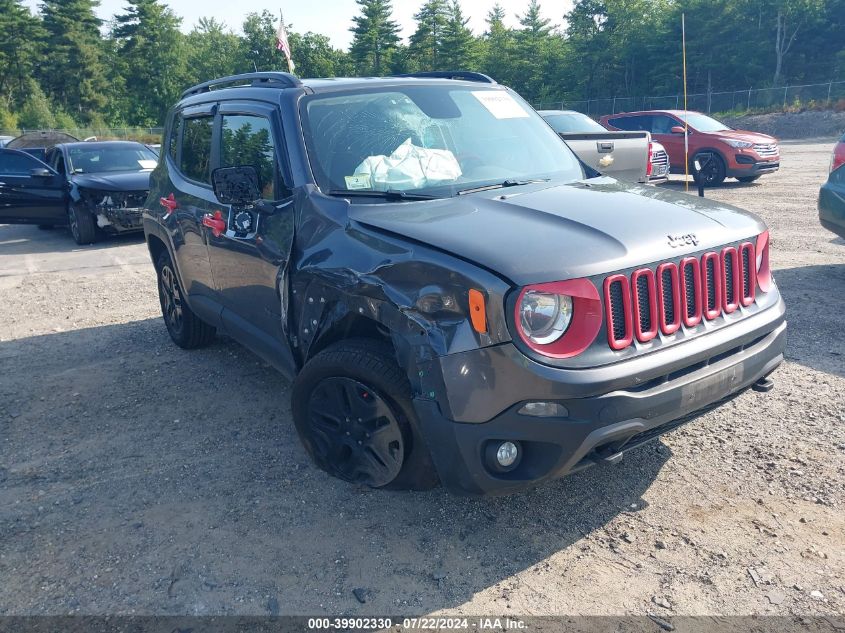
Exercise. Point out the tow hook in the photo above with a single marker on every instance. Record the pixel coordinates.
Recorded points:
(764, 385)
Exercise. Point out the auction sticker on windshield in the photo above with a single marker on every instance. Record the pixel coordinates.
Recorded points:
(500, 104)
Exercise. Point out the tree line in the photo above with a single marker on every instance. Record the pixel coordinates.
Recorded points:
(64, 67)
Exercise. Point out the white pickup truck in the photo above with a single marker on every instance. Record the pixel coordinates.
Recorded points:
(630, 156)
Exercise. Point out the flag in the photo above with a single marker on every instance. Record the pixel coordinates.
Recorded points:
(282, 43)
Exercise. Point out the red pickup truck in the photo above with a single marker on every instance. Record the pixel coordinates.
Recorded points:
(721, 151)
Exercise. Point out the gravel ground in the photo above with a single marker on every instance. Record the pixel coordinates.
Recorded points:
(136, 478)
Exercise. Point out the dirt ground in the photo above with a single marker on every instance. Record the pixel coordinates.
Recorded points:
(137, 478)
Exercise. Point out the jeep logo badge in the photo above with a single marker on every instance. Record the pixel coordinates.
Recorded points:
(676, 241)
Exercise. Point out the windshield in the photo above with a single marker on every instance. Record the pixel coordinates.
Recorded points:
(572, 123)
(704, 123)
(94, 160)
(431, 140)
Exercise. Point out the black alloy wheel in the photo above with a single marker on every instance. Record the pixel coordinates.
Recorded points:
(171, 299)
(712, 168)
(81, 225)
(355, 434)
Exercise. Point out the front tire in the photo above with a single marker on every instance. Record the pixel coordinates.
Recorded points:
(81, 225)
(713, 170)
(352, 410)
(186, 329)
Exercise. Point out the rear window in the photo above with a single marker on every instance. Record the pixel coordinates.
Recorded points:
(196, 148)
(572, 123)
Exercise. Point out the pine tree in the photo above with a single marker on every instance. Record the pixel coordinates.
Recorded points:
(375, 38)
(20, 33)
(458, 43)
(533, 48)
(498, 47)
(151, 59)
(426, 45)
(72, 68)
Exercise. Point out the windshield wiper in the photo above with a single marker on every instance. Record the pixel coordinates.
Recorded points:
(390, 194)
(510, 182)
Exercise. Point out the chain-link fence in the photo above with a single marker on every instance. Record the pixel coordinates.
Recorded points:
(736, 101)
(141, 134)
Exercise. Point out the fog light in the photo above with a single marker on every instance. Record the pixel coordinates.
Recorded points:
(507, 454)
(544, 410)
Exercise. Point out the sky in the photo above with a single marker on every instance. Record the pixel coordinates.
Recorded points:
(329, 17)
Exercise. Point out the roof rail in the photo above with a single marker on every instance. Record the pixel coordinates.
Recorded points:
(461, 75)
(266, 80)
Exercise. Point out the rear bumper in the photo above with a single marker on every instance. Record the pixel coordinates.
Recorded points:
(600, 427)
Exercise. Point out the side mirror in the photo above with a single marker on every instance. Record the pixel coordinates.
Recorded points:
(236, 186)
(678, 129)
(41, 172)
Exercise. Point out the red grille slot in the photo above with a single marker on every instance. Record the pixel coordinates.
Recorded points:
(645, 304)
(711, 284)
(669, 298)
(747, 260)
(731, 280)
(617, 303)
(691, 291)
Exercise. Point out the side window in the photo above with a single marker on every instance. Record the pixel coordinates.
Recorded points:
(196, 148)
(662, 124)
(629, 123)
(14, 164)
(248, 140)
(173, 141)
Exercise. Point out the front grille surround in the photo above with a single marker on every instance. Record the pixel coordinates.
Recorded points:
(645, 304)
(653, 301)
(767, 150)
(620, 329)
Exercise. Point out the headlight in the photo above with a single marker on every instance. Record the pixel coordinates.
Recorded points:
(544, 316)
(737, 144)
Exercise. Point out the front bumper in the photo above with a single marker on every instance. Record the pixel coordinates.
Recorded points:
(119, 220)
(832, 206)
(754, 169)
(611, 409)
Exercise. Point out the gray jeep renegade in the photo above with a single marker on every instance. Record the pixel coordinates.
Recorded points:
(455, 296)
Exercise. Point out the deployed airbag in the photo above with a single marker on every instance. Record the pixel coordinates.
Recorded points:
(408, 167)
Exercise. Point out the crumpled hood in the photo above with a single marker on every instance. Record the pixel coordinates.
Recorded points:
(540, 233)
(118, 181)
(745, 135)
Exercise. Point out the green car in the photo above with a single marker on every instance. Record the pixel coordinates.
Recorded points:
(832, 194)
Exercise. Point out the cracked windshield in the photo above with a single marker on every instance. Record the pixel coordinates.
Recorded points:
(433, 140)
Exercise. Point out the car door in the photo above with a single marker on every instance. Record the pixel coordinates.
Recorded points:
(30, 191)
(249, 259)
(661, 131)
(186, 198)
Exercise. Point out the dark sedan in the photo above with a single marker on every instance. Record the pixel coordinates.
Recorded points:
(832, 195)
(97, 187)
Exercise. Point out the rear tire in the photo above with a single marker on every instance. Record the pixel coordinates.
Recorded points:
(81, 225)
(186, 329)
(713, 170)
(747, 178)
(352, 410)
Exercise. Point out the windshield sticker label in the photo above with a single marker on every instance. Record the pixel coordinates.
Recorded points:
(358, 181)
(147, 164)
(500, 104)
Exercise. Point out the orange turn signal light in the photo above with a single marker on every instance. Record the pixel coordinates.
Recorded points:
(477, 311)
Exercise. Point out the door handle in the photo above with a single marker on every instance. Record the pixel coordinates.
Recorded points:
(215, 222)
(170, 204)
